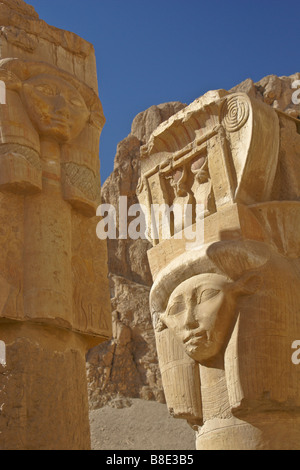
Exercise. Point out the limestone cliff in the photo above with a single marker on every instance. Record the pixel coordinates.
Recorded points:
(127, 365)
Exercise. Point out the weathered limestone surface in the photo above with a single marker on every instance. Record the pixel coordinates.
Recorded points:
(24, 34)
(53, 268)
(43, 389)
(54, 305)
(127, 366)
(225, 310)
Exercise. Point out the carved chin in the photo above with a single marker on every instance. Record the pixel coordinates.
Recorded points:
(202, 349)
(59, 131)
(59, 128)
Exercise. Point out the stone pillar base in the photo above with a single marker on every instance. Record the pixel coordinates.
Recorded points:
(43, 389)
(267, 431)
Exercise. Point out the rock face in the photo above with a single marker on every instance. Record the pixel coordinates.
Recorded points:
(274, 91)
(127, 366)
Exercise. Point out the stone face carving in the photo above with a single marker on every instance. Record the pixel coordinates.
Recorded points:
(225, 312)
(45, 103)
(200, 312)
(53, 269)
(56, 113)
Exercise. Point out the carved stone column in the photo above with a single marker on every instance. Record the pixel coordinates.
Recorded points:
(226, 307)
(53, 269)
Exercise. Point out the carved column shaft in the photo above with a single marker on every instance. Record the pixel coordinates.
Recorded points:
(226, 309)
(53, 269)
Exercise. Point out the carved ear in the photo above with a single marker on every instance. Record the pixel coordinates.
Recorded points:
(158, 322)
(97, 119)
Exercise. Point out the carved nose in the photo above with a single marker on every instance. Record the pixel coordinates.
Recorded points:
(61, 107)
(190, 320)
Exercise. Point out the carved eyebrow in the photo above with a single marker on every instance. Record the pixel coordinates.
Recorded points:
(46, 87)
(207, 294)
(75, 99)
(176, 305)
(177, 298)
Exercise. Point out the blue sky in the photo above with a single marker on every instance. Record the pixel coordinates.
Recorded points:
(151, 52)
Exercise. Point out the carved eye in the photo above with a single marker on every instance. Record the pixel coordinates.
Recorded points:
(46, 90)
(176, 308)
(207, 294)
(75, 101)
